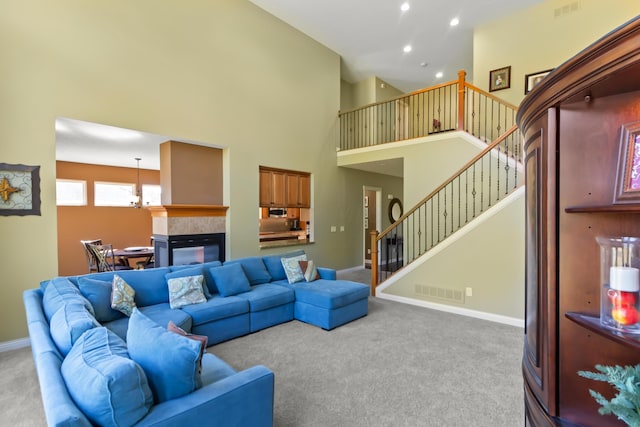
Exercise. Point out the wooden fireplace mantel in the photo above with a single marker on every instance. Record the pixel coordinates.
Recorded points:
(187, 210)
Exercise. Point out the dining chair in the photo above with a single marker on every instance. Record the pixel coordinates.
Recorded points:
(91, 259)
(105, 260)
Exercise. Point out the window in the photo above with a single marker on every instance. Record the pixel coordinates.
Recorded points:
(71, 192)
(151, 195)
(114, 194)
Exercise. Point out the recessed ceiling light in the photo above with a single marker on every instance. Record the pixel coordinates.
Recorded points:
(439, 75)
(454, 22)
(405, 6)
(407, 48)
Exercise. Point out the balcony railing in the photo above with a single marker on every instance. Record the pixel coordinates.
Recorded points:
(455, 105)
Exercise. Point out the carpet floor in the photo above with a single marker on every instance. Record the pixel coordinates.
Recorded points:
(400, 365)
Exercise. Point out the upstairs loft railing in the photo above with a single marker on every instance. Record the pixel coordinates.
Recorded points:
(486, 179)
(456, 105)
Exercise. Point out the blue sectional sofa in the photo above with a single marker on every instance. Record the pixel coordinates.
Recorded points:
(103, 366)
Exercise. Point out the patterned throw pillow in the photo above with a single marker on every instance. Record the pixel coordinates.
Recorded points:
(309, 270)
(185, 291)
(292, 268)
(122, 296)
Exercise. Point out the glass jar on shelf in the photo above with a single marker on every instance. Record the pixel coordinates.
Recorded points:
(620, 283)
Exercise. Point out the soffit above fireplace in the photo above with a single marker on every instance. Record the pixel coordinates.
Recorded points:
(187, 210)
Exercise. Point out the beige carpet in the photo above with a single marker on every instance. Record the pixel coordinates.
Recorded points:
(399, 366)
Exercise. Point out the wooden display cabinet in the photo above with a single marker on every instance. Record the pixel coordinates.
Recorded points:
(571, 123)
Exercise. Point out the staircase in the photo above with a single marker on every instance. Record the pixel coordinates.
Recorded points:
(481, 183)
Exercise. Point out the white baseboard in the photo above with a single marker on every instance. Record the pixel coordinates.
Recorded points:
(14, 345)
(513, 321)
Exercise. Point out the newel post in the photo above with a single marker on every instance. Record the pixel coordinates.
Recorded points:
(461, 80)
(374, 261)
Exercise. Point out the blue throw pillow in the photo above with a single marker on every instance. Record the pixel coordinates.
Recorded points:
(58, 292)
(98, 292)
(254, 269)
(187, 272)
(69, 323)
(109, 387)
(230, 279)
(170, 361)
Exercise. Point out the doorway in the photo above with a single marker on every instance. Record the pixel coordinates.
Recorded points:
(372, 219)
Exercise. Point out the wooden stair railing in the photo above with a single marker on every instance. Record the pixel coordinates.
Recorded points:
(489, 177)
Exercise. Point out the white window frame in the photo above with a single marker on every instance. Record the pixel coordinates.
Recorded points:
(127, 195)
(71, 201)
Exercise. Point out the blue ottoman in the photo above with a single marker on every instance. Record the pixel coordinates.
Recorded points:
(330, 303)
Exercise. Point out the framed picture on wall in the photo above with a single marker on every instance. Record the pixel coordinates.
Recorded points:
(628, 182)
(500, 79)
(19, 190)
(531, 80)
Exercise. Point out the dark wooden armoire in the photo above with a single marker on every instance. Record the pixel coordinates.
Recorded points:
(574, 123)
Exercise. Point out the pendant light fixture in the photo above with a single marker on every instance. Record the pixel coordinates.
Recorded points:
(137, 199)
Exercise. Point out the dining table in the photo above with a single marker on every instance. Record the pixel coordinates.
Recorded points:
(142, 255)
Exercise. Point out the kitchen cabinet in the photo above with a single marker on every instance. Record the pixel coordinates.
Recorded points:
(571, 124)
(284, 188)
(272, 188)
(298, 190)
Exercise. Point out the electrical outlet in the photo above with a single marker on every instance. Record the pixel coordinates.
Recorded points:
(468, 292)
(333, 228)
(368, 251)
(342, 228)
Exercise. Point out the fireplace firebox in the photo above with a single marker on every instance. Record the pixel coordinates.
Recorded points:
(188, 249)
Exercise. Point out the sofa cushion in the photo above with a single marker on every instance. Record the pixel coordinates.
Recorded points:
(149, 284)
(274, 264)
(109, 387)
(309, 270)
(230, 279)
(98, 292)
(265, 296)
(330, 294)
(292, 268)
(254, 269)
(214, 369)
(190, 271)
(69, 323)
(168, 359)
(216, 308)
(210, 286)
(122, 296)
(186, 290)
(159, 313)
(59, 291)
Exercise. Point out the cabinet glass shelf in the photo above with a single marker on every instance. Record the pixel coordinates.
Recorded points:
(592, 323)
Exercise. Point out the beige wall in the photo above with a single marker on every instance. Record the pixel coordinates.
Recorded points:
(495, 272)
(426, 164)
(536, 39)
(224, 73)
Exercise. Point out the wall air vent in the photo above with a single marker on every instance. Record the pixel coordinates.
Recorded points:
(566, 9)
(441, 294)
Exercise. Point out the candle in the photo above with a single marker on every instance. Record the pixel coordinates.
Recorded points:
(624, 279)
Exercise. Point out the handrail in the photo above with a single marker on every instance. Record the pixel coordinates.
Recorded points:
(487, 178)
(451, 178)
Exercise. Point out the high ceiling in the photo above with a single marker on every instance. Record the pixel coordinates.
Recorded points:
(369, 36)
